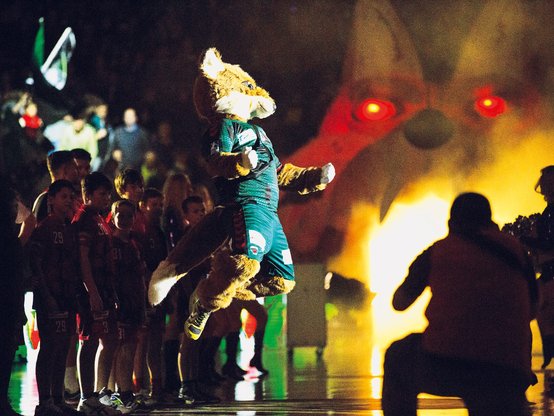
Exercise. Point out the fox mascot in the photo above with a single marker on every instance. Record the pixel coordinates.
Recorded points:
(252, 256)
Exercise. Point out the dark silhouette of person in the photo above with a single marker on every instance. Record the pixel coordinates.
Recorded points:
(477, 344)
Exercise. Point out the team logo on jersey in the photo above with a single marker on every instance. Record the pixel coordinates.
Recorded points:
(246, 136)
(256, 238)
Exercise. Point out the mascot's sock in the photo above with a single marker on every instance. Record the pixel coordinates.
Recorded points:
(163, 279)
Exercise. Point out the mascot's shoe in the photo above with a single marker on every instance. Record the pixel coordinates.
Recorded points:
(163, 279)
(196, 321)
(233, 371)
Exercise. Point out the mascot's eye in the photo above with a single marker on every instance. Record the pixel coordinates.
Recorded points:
(375, 110)
(490, 106)
(248, 85)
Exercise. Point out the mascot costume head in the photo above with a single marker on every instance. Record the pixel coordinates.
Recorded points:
(224, 90)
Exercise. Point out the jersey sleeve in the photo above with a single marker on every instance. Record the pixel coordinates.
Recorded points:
(224, 142)
(85, 232)
(224, 158)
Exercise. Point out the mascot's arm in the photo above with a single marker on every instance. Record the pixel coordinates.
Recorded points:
(301, 180)
(227, 165)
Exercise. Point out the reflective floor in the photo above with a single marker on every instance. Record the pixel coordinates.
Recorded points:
(344, 378)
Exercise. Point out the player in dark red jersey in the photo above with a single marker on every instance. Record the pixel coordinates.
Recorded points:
(131, 292)
(149, 352)
(97, 311)
(54, 261)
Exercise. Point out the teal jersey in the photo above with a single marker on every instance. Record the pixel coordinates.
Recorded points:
(260, 186)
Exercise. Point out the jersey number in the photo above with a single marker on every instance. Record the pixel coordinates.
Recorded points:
(61, 327)
(58, 237)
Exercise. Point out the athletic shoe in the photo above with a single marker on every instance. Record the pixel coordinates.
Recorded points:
(142, 407)
(196, 321)
(144, 403)
(48, 409)
(201, 396)
(143, 394)
(68, 410)
(129, 406)
(165, 398)
(185, 396)
(105, 396)
(72, 398)
(92, 406)
(233, 371)
(211, 377)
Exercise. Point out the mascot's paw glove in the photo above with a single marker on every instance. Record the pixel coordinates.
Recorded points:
(327, 173)
(163, 279)
(249, 158)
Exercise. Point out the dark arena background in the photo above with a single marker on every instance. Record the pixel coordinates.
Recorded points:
(412, 101)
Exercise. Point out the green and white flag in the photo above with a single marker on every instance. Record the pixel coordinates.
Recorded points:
(54, 68)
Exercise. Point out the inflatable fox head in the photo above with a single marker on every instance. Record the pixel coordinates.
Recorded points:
(435, 100)
(226, 90)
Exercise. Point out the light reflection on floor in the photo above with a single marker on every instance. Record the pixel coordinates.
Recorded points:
(345, 380)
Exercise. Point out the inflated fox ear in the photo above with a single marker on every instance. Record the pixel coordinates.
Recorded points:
(380, 41)
(212, 64)
(497, 42)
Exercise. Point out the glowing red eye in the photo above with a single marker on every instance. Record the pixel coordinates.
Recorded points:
(375, 110)
(490, 106)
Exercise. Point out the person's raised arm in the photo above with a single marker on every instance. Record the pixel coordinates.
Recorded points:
(414, 284)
